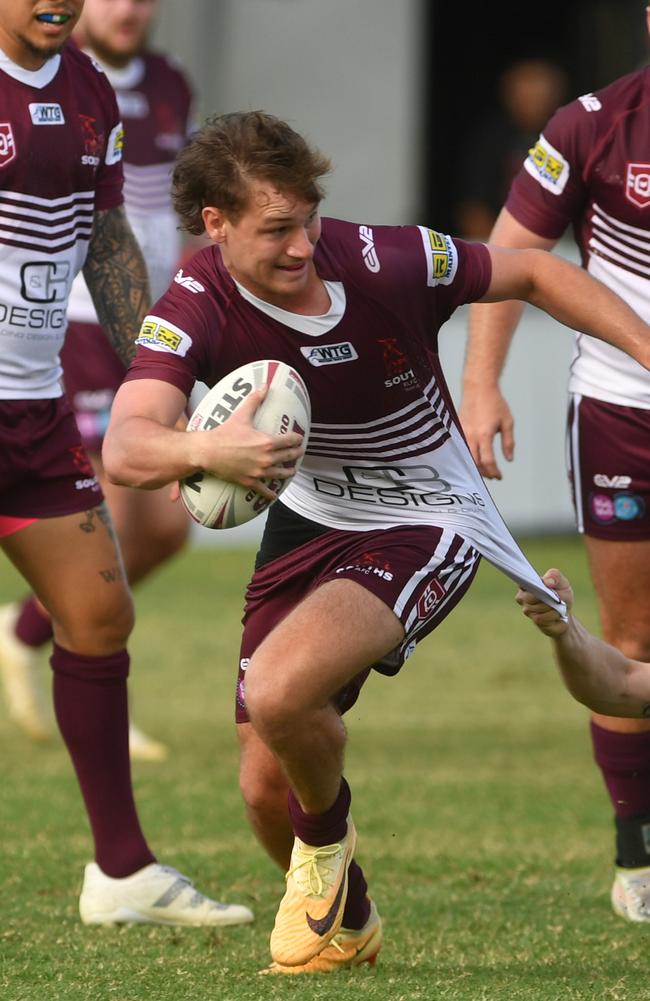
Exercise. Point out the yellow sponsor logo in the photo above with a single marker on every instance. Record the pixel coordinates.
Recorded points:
(547, 164)
(156, 333)
(440, 261)
(119, 141)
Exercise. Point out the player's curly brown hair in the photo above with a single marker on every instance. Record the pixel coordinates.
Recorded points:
(229, 151)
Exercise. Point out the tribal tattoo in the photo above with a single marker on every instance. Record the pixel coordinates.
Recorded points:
(116, 276)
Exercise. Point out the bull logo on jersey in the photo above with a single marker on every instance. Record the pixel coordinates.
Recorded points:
(637, 184)
(398, 368)
(7, 144)
(93, 141)
(395, 360)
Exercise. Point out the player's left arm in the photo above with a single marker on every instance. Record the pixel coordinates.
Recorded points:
(596, 674)
(569, 294)
(116, 276)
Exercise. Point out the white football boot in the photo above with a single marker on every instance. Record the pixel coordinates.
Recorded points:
(631, 893)
(157, 895)
(20, 679)
(144, 748)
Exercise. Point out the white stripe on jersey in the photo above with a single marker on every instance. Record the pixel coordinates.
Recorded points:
(147, 188)
(84, 219)
(619, 257)
(77, 234)
(623, 227)
(76, 196)
(23, 218)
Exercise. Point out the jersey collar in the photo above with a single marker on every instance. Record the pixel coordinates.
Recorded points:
(33, 78)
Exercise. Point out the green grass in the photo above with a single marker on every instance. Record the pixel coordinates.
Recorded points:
(485, 831)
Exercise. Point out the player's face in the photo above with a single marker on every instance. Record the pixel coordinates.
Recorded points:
(270, 248)
(116, 30)
(32, 31)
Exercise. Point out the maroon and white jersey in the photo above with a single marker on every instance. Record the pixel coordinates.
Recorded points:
(385, 447)
(155, 103)
(591, 168)
(60, 152)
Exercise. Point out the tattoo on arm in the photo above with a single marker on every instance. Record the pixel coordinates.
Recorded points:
(116, 276)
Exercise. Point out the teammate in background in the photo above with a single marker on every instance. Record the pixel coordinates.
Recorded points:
(591, 168)
(61, 193)
(530, 90)
(380, 533)
(154, 100)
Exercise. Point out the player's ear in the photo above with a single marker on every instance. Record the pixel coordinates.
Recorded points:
(214, 221)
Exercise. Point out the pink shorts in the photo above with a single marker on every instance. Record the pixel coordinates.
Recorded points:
(421, 573)
(44, 469)
(92, 373)
(608, 451)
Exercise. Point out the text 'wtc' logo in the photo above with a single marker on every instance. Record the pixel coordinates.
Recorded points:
(637, 184)
(7, 144)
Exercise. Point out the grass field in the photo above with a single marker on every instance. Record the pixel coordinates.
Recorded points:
(485, 831)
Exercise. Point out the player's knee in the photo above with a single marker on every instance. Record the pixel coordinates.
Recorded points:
(271, 701)
(98, 627)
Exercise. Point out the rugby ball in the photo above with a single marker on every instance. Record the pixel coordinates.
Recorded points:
(217, 503)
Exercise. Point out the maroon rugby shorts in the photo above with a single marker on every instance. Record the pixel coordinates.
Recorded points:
(608, 457)
(92, 373)
(44, 469)
(420, 572)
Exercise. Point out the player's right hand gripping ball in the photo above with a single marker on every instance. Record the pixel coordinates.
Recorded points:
(217, 503)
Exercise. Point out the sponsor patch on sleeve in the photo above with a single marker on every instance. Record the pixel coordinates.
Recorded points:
(441, 255)
(159, 335)
(115, 145)
(547, 165)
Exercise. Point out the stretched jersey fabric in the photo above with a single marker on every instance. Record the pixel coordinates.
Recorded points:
(155, 103)
(385, 447)
(60, 151)
(591, 168)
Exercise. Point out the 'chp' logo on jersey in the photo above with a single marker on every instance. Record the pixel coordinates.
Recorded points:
(637, 184)
(7, 144)
(160, 335)
(547, 165)
(441, 255)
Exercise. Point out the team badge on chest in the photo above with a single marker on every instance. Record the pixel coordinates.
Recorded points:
(7, 144)
(637, 184)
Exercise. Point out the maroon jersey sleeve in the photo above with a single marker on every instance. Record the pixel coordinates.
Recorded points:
(180, 338)
(103, 135)
(548, 192)
(420, 273)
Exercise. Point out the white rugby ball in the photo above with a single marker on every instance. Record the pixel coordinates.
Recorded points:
(217, 503)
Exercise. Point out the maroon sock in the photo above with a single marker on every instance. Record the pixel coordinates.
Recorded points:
(326, 829)
(32, 627)
(624, 760)
(90, 702)
(322, 828)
